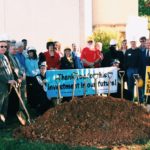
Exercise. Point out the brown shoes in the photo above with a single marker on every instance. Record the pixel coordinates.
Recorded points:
(21, 118)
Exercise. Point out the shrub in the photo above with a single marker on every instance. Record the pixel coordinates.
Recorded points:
(104, 35)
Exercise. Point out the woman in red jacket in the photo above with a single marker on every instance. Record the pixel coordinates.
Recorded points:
(52, 57)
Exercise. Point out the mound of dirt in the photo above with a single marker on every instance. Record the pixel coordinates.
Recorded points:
(90, 121)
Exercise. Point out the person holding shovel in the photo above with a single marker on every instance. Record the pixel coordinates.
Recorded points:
(13, 105)
(132, 63)
(6, 80)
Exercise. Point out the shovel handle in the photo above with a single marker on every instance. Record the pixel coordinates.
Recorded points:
(23, 105)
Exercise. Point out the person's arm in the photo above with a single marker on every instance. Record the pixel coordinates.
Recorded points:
(125, 60)
(28, 68)
(98, 57)
(58, 63)
(87, 62)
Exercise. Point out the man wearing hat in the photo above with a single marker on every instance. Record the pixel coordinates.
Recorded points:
(89, 55)
(6, 80)
(113, 54)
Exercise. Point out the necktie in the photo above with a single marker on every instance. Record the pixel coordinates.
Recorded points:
(7, 67)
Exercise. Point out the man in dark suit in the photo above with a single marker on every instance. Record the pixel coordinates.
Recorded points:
(112, 55)
(145, 61)
(132, 63)
(6, 80)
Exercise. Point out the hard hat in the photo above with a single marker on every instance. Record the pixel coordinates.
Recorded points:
(4, 37)
(19, 44)
(90, 38)
(43, 64)
(31, 48)
(113, 42)
(67, 48)
(50, 40)
(132, 39)
(140, 82)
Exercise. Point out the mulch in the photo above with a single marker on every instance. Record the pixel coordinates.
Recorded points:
(90, 121)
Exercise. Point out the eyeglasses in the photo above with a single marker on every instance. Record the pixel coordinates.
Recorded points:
(3, 46)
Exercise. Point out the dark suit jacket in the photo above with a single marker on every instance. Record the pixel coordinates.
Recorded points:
(145, 61)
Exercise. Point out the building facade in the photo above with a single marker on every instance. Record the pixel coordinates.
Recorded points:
(67, 21)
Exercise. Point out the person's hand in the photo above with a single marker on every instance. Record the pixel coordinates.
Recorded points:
(44, 81)
(91, 65)
(19, 80)
(12, 82)
(24, 76)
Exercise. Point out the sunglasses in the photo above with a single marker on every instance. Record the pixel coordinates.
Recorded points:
(3, 46)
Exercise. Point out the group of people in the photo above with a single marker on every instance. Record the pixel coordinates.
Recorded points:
(133, 61)
(23, 70)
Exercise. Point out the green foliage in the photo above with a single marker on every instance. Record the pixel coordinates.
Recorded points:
(104, 35)
(143, 10)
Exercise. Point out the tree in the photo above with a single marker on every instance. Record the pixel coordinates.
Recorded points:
(144, 10)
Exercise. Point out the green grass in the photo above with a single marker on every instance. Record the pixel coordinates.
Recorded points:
(8, 142)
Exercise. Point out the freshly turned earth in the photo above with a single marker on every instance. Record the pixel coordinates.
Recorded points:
(90, 121)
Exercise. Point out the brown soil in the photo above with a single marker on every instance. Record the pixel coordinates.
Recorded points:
(90, 121)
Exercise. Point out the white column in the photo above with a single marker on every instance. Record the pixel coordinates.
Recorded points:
(85, 17)
(2, 16)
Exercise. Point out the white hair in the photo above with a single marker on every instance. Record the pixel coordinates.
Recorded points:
(19, 44)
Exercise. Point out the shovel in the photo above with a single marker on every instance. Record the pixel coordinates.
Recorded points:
(59, 92)
(121, 74)
(136, 77)
(22, 104)
(95, 80)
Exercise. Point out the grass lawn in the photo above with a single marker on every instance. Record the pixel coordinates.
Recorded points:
(7, 142)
